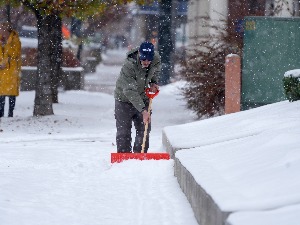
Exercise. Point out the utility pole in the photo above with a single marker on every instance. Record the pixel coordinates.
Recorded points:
(166, 43)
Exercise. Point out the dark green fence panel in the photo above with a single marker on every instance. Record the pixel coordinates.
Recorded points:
(271, 47)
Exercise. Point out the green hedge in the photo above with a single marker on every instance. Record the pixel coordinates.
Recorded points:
(291, 87)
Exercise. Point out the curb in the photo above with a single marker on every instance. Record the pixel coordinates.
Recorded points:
(206, 211)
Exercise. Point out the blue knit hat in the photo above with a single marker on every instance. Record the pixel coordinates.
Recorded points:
(146, 51)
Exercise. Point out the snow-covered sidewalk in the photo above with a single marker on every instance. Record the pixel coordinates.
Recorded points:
(56, 170)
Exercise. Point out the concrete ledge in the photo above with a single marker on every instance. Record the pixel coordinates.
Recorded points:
(167, 145)
(72, 78)
(90, 64)
(206, 211)
(28, 79)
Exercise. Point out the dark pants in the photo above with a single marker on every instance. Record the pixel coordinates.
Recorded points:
(12, 103)
(125, 114)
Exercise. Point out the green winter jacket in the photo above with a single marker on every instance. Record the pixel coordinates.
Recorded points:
(133, 79)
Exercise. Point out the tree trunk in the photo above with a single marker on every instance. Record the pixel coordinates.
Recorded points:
(43, 93)
(56, 57)
(8, 12)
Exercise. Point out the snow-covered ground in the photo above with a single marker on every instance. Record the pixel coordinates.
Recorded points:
(248, 162)
(56, 170)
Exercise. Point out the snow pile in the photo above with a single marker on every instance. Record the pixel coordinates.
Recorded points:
(292, 73)
(247, 161)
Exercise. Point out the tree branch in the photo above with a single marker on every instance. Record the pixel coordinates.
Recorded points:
(31, 7)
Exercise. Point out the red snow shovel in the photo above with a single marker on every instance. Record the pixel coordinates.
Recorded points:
(119, 157)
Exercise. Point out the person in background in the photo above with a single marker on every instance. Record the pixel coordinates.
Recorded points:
(10, 66)
(140, 70)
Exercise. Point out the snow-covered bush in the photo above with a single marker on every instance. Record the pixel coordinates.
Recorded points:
(291, 85)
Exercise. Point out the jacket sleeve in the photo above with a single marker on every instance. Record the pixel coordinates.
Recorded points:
(129, 86)
(16, 53)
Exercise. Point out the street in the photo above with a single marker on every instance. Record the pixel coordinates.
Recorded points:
(104, 79)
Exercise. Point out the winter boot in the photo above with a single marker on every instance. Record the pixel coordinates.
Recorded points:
(2, 103)
(10, 113)
(12, 103)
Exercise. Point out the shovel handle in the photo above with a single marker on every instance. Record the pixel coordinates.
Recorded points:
(150, 95)
(146, 128)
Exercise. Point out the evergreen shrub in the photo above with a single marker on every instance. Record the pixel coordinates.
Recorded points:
(291, 87)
